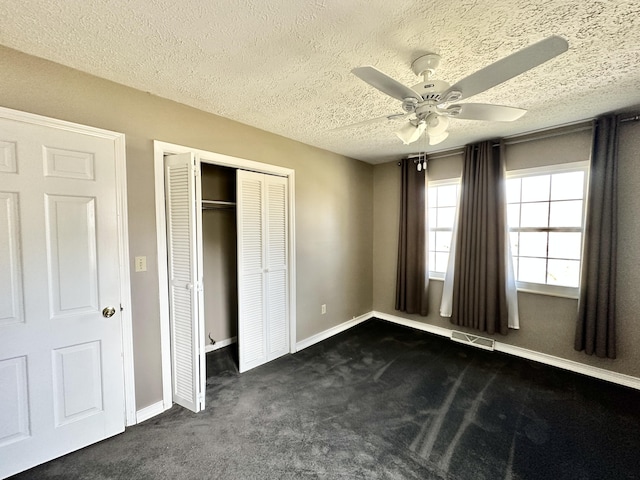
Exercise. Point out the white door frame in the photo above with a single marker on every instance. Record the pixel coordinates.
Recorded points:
(123, 237)
(160, 150)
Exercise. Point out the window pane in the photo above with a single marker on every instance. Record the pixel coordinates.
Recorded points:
(567, 186)
(433, 195)
(441, 215)
(441, 262)
(564, 272)
(535, 188)
(546, 201)
(532, 270)
(513, 215)
(448, 196)
(514, 243)
(534, 214)
(533, 244)
(446, 217)
(513, 190)
(443, 241)
(566, 214)
(565, 245)
(432, 217)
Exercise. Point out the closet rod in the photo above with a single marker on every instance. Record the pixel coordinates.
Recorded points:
(216, 204)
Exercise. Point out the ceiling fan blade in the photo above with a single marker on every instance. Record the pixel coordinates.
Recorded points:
(385, 83)
(395, 116)
(484, 111)
(509, 67)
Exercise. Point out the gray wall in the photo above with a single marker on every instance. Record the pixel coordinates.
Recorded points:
(546, 323)
(333, 194)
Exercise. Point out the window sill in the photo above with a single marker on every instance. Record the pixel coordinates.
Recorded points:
(560, 294)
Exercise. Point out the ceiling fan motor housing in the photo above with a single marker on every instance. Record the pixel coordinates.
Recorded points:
(431, 90)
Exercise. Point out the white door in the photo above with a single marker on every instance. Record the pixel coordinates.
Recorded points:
(184, 252)
(263, 316)
(61, 367)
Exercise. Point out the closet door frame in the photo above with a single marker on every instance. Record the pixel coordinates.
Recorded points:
(160, 150)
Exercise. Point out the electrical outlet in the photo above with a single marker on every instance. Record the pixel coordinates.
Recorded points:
(323, 309)
(141, 264)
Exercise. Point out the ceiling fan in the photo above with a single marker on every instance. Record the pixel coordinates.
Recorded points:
(430, 102)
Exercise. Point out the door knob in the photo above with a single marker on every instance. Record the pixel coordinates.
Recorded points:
(107, 312)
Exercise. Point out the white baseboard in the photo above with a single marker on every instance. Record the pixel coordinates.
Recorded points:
(577, 367)
(318, 337)
(425, 327)
(151, 411)
(220, 344)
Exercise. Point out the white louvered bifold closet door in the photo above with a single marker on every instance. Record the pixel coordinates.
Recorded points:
(262, 268)
(277, 285)
(251, 323)
(186, 364)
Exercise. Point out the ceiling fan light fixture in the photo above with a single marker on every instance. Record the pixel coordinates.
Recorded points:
(409, 132)
(436, 124)
(436, 139)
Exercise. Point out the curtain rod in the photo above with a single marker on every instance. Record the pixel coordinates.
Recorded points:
(633, 118)
(519, 138)
(526, 137)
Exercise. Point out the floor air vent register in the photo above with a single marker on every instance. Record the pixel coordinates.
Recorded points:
(474, 340)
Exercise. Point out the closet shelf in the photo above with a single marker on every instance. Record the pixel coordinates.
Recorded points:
(216, 204)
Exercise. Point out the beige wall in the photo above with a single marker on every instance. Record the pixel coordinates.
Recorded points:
(547, 323)
(333, 194)
(344, 240)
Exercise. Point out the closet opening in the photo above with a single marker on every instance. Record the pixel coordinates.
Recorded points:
(219, 259)
(226, 265)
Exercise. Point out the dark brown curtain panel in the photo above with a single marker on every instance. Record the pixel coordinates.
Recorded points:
(479, 285)
(596, 323)
(413, 271)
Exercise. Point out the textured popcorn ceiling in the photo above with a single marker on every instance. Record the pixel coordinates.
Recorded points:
(283, 65)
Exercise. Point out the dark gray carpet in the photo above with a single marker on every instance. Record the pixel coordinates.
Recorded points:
(380, 402)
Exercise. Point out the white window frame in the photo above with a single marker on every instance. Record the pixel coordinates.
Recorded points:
(433, 275)
(541, 288)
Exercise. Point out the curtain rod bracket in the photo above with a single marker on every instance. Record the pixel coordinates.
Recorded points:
(633, 118)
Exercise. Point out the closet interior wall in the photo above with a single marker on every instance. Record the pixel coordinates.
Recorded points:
(219, 253)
